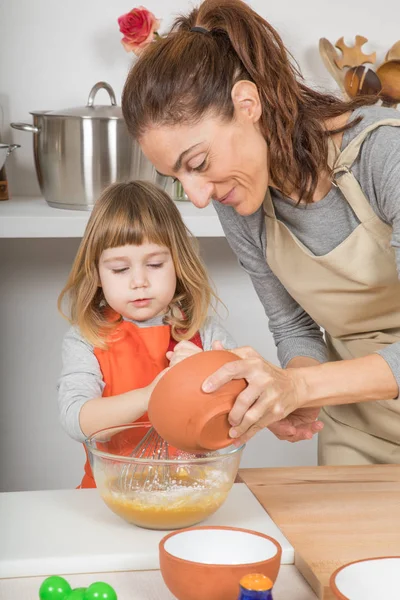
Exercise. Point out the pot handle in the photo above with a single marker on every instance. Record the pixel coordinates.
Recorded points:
(98, 86)
(13, 147)
(25, 127)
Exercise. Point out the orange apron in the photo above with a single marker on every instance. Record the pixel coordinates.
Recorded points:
(135, 356)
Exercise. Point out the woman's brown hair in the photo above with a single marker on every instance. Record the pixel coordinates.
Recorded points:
(134, 213)
(188, 74)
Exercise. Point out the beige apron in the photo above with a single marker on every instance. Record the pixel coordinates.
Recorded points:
(353, 293)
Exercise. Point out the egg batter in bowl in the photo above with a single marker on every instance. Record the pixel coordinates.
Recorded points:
(161, 494)
(184, 502)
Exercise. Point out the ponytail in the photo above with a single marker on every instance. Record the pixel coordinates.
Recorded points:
(190, 74)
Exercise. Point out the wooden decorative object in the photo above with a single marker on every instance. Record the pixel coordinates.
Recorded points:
(394, 52)
(329, 56)
(362, 81)
(389, 75)
(353, 56)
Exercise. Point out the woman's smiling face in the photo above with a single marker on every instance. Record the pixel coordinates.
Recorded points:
(215, 159)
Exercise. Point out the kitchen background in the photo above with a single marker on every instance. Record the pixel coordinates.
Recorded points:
(51, 54)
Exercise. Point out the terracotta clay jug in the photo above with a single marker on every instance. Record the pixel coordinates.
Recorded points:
(184, 415)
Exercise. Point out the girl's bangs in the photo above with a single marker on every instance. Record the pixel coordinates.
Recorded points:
(134, 229)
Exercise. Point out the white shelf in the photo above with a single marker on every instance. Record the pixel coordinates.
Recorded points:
(30, 217)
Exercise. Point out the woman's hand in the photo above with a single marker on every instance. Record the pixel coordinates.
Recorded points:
(181, 351)
(271, 395)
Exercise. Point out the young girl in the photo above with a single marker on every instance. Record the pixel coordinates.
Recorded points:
(138, 298)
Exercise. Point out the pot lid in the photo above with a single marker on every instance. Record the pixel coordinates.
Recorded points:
(91, 110)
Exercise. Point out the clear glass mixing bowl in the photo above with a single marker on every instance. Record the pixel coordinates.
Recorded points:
(153, 491)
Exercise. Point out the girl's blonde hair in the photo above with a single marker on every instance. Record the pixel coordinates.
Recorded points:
(134, 213)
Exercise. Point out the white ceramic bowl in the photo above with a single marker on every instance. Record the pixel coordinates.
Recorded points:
(369, 579)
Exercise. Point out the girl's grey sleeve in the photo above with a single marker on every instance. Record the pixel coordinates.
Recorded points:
(295, 333)
(80, 380)
(212, 331)
(383, 159)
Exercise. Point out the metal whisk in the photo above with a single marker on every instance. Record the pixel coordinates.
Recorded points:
(147, 476)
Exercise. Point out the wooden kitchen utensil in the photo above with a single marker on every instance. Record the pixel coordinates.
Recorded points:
(184, 415)
(394, 52)
(360, 81)
(329, 56)
(389, 75)
(353, 56)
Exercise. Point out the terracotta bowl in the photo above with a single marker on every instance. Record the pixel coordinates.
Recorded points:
(208, 562)
(187, 417)
(369, 579)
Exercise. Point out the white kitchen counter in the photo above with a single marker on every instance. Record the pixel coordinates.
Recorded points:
(30, 217)
(85, 528)
(148, 585)
(92, 539)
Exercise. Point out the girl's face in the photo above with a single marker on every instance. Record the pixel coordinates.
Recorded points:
(213, 159)
(138, 282)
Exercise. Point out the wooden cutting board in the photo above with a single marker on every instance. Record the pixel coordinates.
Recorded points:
(331, 515)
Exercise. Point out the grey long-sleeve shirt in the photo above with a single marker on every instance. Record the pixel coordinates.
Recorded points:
(321, 227)
(81, 378)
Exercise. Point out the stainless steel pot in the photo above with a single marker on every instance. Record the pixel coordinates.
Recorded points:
(80, 151)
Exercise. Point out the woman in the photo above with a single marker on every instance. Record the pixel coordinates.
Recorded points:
(307, 188)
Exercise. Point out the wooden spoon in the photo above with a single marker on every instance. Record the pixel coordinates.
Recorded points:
(353, 56)
(389, 75)
(361, 81)
(394, 52)
(328, 55)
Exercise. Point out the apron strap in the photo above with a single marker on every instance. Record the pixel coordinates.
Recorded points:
(344, 179)
(347, 157)
(268, 205)
(333, 153)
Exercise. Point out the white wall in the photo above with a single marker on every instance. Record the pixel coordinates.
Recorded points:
(51, 53)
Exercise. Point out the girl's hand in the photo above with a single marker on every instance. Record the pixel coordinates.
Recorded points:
(185, 348)
(300, 425)
(148, 390)
(181, 351)
(271, 395)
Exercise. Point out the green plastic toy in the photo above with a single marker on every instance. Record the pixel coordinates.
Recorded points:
(58, 588)
(100, 591)
(77, 594)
